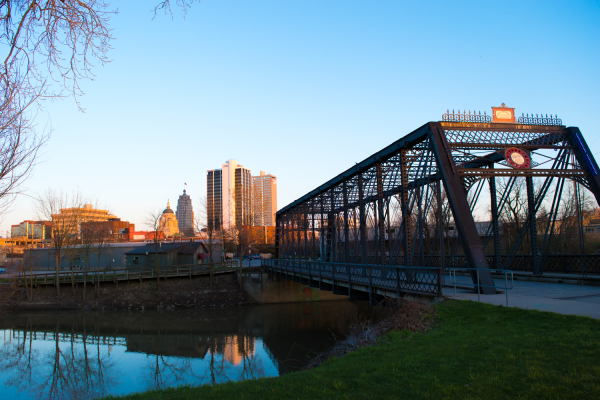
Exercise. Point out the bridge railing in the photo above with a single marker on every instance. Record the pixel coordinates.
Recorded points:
(583, 264)
(388, 278)
(477, 284)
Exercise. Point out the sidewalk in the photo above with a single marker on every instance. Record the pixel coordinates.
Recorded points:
(555, 297)
(567, 307)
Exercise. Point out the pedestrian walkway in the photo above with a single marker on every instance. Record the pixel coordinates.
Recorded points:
(543, 296)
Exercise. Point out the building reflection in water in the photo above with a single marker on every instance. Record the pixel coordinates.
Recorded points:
(67, 355)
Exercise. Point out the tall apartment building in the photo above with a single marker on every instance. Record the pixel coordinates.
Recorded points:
(185, 214)
(264, 199)
(214, 205)
(229, 195)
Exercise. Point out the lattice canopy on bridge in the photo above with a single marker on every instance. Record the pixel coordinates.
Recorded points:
(421, 200)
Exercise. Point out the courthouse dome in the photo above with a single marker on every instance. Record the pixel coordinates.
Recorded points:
(168, 209)
(169, 222)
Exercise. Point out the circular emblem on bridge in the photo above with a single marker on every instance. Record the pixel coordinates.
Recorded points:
(518, 158)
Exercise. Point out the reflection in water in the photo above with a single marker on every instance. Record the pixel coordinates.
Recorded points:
(74, 355)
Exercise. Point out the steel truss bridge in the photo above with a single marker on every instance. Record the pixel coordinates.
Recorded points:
(412, 204)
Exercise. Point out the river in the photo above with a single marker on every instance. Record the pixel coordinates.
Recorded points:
(84, 355)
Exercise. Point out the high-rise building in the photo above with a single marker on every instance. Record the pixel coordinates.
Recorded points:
(229, 195)
(214, 204)
(185, 214)
(264, 199)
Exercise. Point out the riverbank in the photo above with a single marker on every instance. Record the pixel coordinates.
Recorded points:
(172, 293)
(475, 351)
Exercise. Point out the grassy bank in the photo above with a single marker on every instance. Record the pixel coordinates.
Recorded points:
(477, 351)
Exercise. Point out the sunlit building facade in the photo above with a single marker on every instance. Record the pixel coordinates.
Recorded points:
(264, 199)
(185, 214)
(214, 205)
(70, 219)
(32, 230)
(168, 222)
(229, 195)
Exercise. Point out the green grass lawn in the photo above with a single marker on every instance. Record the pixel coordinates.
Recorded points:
(476, 351)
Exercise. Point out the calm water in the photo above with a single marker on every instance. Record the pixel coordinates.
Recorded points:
(73, 355)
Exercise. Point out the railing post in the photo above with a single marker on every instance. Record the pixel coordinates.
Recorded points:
(398, 281)
(349, 277)
(478, 284)
(320, 272)
(439, 282)
(370, 289)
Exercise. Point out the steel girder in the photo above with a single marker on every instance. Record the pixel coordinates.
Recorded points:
(396, 207)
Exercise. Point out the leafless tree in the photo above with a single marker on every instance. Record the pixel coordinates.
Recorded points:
(156, 223)
(49, 47)
(20, 145)
(102, 235)
(90, 234)
(245, 236)
(212, 231)
(64, 230)
(165, 6)
(28, 263)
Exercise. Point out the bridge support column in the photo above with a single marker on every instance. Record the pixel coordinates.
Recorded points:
(407, 240)
(495, 225)
(346, 257)
(459, 204)
(380, 217)
(532, 226)
(362, 220)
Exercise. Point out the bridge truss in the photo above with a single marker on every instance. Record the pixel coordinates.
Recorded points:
(414, 203)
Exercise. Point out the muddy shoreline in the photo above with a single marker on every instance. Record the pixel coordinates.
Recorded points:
(169, 294)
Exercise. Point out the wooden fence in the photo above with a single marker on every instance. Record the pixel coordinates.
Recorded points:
(66, 277)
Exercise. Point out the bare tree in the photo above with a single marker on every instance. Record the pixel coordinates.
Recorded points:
(102, 235)
(20, 146)
(91, 232)
(156, 223)
(49, 47)
(212, 230)
(245, 235)
(64, 230)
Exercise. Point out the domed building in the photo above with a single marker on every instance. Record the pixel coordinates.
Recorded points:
(169, 222)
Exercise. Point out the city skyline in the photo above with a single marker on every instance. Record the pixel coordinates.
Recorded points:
(251, 87)
(233, 194)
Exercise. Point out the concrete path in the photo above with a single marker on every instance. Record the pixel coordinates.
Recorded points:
(567, 307)
(543, 296)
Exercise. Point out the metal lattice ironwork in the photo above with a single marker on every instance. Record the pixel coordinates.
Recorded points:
(413, 204)
(464, 117)
(365, 278)
(540, 120)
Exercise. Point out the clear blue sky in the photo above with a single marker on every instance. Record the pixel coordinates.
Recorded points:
(303, 89)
